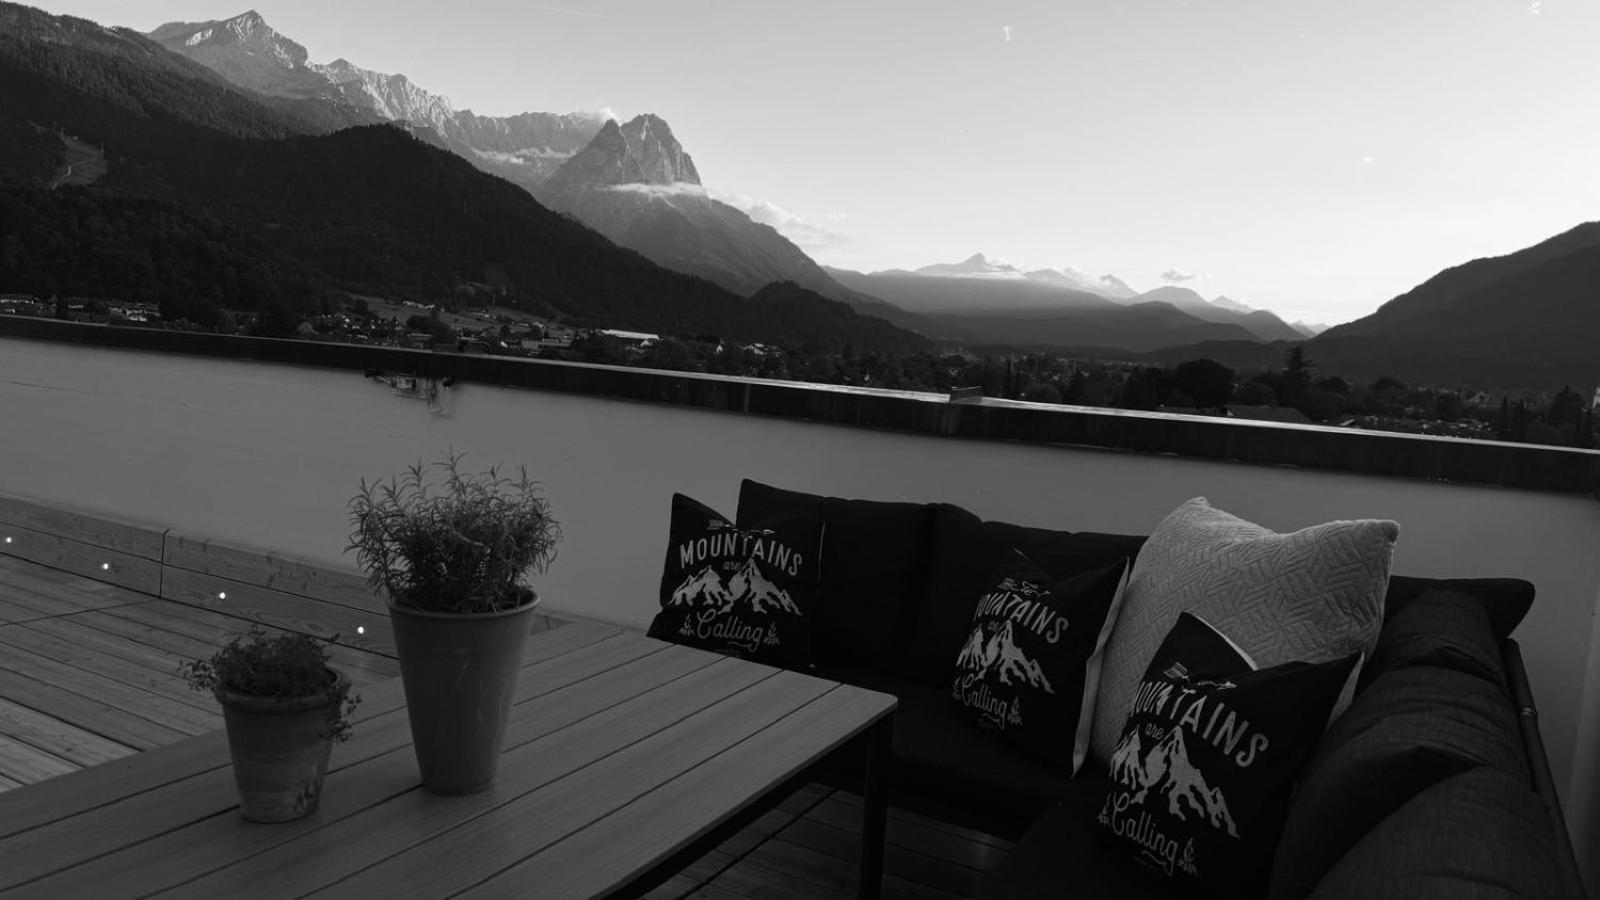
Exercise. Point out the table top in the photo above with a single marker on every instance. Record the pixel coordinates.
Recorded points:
(621, 750)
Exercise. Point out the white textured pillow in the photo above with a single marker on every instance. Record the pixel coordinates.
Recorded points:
(1312, 595)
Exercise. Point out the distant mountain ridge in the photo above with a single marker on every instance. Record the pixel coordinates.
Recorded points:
(1263, 324)
(1025, 314)
(980, 266)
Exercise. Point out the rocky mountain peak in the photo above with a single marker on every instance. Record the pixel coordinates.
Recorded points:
(641, 151)
(655, 154)
(248, 31)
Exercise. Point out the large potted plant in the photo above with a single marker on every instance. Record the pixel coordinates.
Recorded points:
(283, 707)
(452, 558)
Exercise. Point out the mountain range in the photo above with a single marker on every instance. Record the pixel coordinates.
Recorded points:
(215, 197)
(632, 181)
(524, 149)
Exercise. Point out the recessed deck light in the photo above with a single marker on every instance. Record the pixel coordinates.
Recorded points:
(106, 566)
(361, 629)
(222, 595)
(8, 540)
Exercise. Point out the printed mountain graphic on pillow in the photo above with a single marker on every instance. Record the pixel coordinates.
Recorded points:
(1167, 772)
(747, 586)
(999, 655)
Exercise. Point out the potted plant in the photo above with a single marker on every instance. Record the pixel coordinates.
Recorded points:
(452, 559)
(283, 707)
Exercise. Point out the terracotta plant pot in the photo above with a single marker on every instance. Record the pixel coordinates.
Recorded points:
(460, 673)
(280, 750)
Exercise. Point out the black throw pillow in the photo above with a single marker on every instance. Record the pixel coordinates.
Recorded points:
(748, 592)
(965, 552)
(1208, 757)
(1029, 669)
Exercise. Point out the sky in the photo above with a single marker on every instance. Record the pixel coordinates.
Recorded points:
(1315, 158)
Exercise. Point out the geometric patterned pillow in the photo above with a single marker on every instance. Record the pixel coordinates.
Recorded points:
(1312, 595)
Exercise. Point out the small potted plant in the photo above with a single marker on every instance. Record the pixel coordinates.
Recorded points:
(283, 707)
(452, 559)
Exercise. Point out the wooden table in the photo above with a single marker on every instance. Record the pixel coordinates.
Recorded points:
(625, 759)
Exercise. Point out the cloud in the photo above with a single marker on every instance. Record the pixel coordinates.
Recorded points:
(802, 229)
(1536, 7)
(1176, 275)
(1366, 160)
(675, 189)
(604, 112)
(1005, 30)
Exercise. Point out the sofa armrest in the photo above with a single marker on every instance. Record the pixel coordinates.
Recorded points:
(1538, 762)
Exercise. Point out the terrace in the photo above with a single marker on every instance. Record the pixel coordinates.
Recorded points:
(219, 445)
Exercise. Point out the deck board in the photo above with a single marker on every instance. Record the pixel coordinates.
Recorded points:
(78, 746)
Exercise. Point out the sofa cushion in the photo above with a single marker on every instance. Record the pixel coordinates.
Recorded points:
(874, 563)
(1506, 600)
(1478, 834)
(965, 552)
(1061, 856)
(1030, 667)
(749, 592)
(1208, 757)
(1440, 628)
(1314, 595)
(1411, 728)
(945, 768)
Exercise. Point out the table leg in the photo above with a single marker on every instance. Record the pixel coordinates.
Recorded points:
(875, 808)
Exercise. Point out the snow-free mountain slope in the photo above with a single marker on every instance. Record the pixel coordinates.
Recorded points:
(1524, 320)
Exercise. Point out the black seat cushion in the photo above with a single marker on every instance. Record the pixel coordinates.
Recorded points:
(874, 566)
(965, 551)
(1482, 833)
(1410, 729)
(1506, 600)
(945, 768)
(1442, 628)
(1062, 857)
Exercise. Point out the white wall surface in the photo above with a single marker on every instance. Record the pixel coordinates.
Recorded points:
(268, 456)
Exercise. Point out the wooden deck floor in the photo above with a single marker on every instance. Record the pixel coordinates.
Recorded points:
(88, 674)
(88, 670)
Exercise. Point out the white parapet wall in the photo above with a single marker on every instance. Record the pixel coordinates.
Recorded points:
(268, 455)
